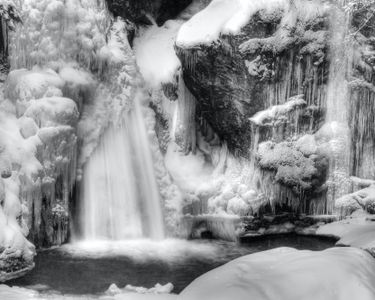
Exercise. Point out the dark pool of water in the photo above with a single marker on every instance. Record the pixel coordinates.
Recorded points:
(57, 270)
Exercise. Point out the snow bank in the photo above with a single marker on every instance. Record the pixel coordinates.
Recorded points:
(285, 273)
(223, 16)
(53, 111)
(358, 230)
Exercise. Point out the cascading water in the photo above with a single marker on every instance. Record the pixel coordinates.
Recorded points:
(337, 126)
(120, 194)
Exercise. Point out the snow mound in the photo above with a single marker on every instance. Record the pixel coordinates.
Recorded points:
(285, 273)
(358, 231)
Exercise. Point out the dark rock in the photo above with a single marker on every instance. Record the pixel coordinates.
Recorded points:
(239, 75)
(138, 11)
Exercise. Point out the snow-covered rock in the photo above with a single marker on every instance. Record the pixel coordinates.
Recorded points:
(362, 199)
(357, 230)
(286, 273)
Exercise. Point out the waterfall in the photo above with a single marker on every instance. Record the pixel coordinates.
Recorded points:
(120, 194)
(337, 125)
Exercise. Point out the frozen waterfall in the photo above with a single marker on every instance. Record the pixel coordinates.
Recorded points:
(120, 198)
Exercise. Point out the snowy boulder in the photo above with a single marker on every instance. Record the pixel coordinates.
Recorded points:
(24, 85)
(16, 253)
(293, 168)
(53, 111)
(289, 274)
(362, 199)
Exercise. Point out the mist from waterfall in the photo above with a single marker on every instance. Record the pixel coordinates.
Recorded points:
(120, 197)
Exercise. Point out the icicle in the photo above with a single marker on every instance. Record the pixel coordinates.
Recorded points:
(185, 130)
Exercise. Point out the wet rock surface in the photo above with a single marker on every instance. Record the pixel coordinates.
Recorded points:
(282, 224)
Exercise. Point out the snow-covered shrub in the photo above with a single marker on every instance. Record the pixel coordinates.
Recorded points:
(294, 163)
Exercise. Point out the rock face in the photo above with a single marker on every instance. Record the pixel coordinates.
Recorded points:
(246, 85)
(140, 11)
(238, 75)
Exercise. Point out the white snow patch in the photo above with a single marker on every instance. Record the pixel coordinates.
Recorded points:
(155, 54)
(275, 112)
(223, 16)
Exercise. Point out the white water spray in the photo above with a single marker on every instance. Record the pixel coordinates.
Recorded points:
(120, 194)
